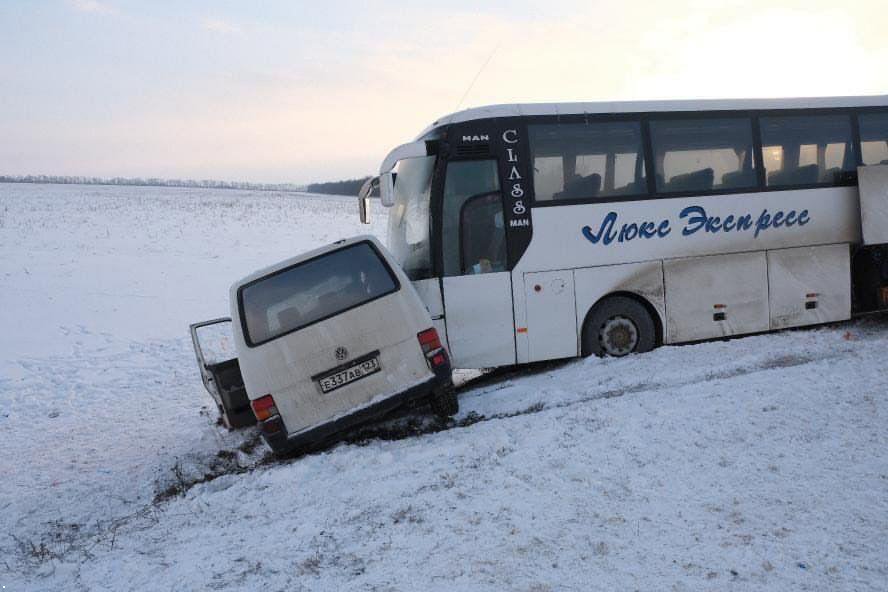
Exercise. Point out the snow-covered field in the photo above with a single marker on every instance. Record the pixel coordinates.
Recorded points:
(753, 464)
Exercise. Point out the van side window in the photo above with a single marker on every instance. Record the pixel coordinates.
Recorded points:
(701, 155)
(807, 149)
(462, 221)
(874, 138)
(587, 160)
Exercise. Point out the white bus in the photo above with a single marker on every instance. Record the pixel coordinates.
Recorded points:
(543, 231)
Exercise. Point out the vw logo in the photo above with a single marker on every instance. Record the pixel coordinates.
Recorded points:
(341, 353)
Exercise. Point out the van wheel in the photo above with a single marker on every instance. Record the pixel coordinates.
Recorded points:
(444, 402)
(618, 327)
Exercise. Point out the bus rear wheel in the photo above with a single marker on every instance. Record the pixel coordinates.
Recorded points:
(618, 326)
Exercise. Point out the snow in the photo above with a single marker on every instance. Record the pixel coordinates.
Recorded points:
(752, 464)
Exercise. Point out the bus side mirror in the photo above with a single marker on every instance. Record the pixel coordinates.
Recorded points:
(387, 189)
(364, 198)
(364, 207)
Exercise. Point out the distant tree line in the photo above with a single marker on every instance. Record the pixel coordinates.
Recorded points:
(150, 182)
(347, 187)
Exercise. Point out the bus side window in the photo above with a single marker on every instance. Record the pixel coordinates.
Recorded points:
(595, 160)
(874, 138)
(807, 149)
(463, 181)
(482, 235)
(701, 155)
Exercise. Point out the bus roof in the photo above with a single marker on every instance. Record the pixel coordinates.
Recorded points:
(525, 109)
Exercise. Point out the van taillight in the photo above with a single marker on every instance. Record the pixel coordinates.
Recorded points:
(429, 341)
(431, 347)
(264, 407)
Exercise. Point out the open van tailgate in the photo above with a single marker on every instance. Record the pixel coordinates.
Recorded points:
(220, 371)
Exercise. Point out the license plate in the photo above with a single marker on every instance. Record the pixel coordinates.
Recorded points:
(364, 368)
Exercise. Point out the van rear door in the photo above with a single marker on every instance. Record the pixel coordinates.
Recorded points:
(330, 333)
(220, 371)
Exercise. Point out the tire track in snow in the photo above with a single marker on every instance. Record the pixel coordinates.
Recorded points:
(414, 426)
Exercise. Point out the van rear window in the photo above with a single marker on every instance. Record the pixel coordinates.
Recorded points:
(312, 291)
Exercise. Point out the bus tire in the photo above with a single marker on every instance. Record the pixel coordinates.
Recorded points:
(444, 403)
(618, 326)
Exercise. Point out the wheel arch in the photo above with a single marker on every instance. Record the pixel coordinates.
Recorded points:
(651, 309)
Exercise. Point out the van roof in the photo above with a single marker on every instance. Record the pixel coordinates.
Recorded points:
(304, 257)
(524, 109)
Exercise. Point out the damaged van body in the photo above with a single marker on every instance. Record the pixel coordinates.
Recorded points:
(332, 338)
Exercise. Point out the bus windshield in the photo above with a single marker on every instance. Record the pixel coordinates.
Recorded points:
(408, 224)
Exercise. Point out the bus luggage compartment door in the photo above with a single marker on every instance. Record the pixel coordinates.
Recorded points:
(809, 285)
(716, 296)
(873, 184)
(551, 315)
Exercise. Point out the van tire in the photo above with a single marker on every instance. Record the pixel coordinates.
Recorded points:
(444, 402)
(619, 326)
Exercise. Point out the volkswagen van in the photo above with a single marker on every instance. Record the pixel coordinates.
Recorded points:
(332, 338)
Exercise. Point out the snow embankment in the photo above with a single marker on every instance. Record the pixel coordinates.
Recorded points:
(752, 464)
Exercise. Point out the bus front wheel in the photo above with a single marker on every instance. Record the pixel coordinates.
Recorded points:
(618, 326)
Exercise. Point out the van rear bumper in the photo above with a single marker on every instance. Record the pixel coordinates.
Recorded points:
(315, 437)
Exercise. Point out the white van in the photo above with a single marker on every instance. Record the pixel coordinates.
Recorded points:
(334, 337)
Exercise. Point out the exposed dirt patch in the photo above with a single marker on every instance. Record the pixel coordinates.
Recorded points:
(226, 462)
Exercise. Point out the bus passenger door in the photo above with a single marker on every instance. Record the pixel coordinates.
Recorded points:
(476, 283)
(480, 320)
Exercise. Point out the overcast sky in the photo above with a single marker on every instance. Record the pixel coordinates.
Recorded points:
(304, 91)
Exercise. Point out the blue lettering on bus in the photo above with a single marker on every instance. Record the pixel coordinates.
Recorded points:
(607, 234)
(763, 222)
(696, 216)
(695, 220)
